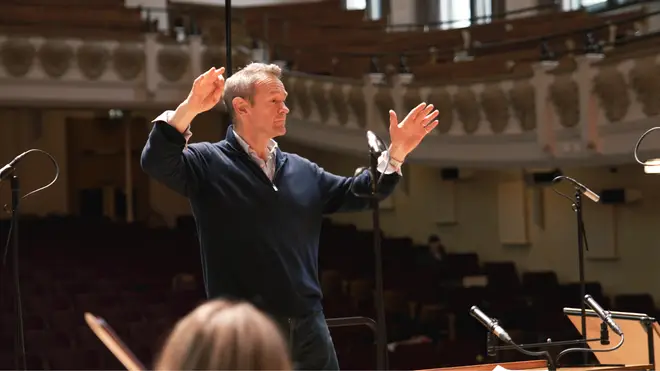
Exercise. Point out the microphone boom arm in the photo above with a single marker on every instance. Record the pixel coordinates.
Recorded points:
(493, 326)
(589, 350)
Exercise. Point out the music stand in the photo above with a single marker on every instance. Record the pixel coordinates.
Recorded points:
(107, 335)
(641, 333)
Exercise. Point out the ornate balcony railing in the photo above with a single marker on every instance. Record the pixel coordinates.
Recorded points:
(584, 112)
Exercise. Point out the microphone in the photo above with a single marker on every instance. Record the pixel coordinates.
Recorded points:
(8, 169)
(604, 315)
(490, 324)
(375, 144)
(593, 196)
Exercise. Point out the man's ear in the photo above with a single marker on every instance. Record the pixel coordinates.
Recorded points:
(240, 105)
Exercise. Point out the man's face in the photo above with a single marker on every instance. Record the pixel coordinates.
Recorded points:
(267, 113)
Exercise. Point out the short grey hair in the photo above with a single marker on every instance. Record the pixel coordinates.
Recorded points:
(241, 84)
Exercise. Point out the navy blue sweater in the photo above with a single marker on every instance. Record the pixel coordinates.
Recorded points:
(259, 239)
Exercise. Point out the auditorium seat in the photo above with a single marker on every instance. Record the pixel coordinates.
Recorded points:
(541, 281)
(68, 359)
(462, 264)
(639, 303)
(139, 303)
(502, 275)
(414, 356)
(65, 320)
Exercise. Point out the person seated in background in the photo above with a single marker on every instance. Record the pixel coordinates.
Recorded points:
(225, 335)
(434, 254)
(436, 248)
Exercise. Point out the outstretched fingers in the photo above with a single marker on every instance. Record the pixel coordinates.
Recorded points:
(428, 128)
(415, 112)
(430, 117)
(212, 75)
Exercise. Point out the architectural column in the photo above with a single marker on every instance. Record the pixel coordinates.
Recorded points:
(513, 5)
(152, 10)
(402, 12)
(128, 162)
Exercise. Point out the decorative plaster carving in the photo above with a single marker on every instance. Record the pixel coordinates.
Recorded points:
(302, 96)
(441, 99)
(339, 103)
(291, 99)
(358, 105)
(128, 61)
(522, 97)
(17, 56)
(384, 103)
(612, 91)
(496, 107)
(55, 57)
(411, 98)
(213, 57)
(467, 108)
(92, 60)
(172, 63)
(320, 99)
(565, 97)
(646, 84)
(345, 97)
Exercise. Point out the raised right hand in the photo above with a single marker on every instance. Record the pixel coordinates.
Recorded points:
(206, 91)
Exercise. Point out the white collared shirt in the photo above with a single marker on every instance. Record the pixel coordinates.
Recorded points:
(267, 166)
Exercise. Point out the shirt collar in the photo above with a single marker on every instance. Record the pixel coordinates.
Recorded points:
(271, 146)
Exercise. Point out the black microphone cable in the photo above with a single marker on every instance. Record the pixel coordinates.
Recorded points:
(639, 142)
(20, 336)
(573, 350)
(493, 327)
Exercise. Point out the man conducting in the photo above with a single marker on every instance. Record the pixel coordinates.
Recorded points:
(258, 209)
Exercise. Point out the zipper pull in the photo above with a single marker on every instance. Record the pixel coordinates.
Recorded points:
(274, 187)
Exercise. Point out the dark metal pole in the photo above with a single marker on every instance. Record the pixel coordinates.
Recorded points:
(580, 235)
(381, 329)
(228, 68)
(19, 343)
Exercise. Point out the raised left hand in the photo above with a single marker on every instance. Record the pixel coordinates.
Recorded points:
(407, 135)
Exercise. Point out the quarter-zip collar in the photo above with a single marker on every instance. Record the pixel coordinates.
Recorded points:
(237, 148)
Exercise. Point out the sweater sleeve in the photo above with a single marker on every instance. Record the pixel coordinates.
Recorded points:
(339, 193)
(167, 158)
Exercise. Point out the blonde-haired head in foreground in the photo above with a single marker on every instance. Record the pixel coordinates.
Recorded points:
(225, 335)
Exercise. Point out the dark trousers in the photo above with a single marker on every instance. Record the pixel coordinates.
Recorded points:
(310, 342)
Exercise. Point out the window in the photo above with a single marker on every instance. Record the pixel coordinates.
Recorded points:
(373, 7)
(455, 14)
(356, 4)
(483, 10)
(576, 4)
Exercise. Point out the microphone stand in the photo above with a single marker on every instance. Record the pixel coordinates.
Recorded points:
(577, 207)
(376, 148)
(228, 51)
(381, 331)
(581, 237)
(19, 341)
